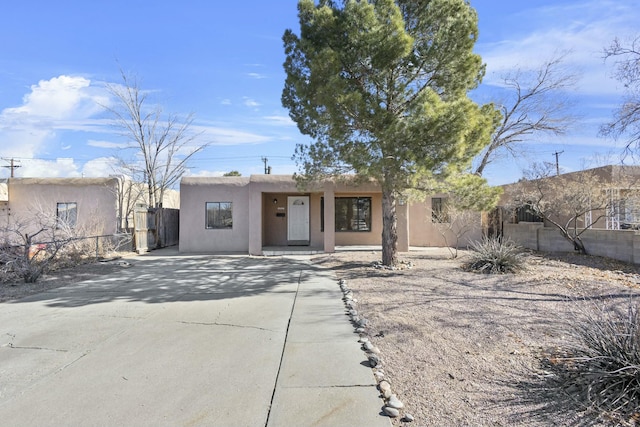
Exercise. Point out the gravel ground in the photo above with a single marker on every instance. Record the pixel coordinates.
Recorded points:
(465, 349)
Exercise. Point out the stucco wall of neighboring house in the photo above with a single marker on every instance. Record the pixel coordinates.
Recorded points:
(466, 228)
(194, 194)
(95, 199)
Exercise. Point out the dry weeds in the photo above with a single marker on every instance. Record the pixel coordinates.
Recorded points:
(462, 348)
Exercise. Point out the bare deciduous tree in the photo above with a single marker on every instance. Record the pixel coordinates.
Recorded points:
(626, 119)
(453, 224)
(572, 203)
(162, 141)
(537, 105)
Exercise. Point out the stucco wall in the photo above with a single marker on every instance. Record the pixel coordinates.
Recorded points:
(425, 233)
(194, 194)
(96, 200)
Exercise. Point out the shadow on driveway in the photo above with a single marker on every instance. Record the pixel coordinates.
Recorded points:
(173, 277)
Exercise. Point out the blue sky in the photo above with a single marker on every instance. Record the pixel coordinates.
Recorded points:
(222, 61)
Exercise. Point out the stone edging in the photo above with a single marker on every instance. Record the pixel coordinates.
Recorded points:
(393, 405)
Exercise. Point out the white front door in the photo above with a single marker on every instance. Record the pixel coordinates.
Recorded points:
(298, 223)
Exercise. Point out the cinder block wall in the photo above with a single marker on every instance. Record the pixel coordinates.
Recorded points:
(623, 245)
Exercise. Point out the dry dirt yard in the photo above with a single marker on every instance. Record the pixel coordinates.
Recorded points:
(465, 349)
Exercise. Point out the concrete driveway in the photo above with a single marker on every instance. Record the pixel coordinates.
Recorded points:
(180, 340)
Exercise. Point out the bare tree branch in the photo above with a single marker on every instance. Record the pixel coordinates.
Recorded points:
(538, 106)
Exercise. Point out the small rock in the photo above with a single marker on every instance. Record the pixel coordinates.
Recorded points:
(363, 340)
(374, 360)
(374, 350)
(353, 312)
(341, 281)
(408, 418)
(394, 402)
(384, 385)
(360, 330)
(367, 346)
(379, 376)
(386, 394)
(391, 412)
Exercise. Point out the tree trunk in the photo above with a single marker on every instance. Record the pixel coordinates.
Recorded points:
(389, 229)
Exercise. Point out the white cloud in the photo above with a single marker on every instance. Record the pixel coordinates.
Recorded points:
(106, 144)
(280, 120)
(36, 168)
(227, 136)
(225, 101)
(581, 28)
(251, 102)
(204, 173)
(99, 167)
(257, 76)
(61, 103)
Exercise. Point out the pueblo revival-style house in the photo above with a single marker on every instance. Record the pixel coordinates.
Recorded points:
(264, 213)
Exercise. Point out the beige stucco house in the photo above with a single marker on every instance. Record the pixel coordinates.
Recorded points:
(85, 203)
(263, 212)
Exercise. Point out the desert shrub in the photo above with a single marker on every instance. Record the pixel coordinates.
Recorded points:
(599, 367)
(493, 255)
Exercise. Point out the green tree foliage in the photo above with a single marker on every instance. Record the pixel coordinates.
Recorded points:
(381, 86)
(232, 173)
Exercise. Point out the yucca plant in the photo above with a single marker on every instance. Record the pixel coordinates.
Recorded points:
(599, 368)
(494, 255)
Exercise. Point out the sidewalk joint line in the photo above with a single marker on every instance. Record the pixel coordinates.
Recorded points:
(286, 335)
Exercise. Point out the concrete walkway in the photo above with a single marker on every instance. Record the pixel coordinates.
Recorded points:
(180, 340)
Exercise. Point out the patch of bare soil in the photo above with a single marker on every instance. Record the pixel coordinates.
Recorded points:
(11, 290)
(466, 349)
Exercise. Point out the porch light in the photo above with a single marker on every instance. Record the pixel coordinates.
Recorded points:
(275, 201)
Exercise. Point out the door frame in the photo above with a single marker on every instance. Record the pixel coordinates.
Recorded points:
(305, 219)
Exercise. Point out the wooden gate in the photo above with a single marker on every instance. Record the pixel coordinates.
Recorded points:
(155, 228)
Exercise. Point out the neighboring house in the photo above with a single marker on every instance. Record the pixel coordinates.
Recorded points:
(254, 214)
(87, 204)
(605, 232)
(620, 194)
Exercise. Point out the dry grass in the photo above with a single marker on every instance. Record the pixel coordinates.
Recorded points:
(462, 348)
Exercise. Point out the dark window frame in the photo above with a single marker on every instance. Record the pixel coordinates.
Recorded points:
(220, 222)
(67, 214)
(438, 210)
(360, 216)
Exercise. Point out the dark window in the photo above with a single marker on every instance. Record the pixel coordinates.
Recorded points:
(67, 214)
(219, 215)
(525, 214)
(321, 213)
(353, 213)
(439, 210)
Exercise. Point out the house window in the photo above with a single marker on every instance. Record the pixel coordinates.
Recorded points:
(219, 215)
(526, 214)
(439, 210)
(353, 213)
(67, 214)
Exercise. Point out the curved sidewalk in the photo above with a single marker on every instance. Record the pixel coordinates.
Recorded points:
(187, 340)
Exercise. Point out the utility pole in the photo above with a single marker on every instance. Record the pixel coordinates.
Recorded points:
(557, 153)
(12, 165)
(266, 168)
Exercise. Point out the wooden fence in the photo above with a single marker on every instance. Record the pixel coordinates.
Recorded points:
(155, 228)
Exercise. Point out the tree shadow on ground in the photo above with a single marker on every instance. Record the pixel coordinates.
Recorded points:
(161, 279)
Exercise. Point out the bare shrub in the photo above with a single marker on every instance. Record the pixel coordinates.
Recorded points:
(493, 256)
(599, 368)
